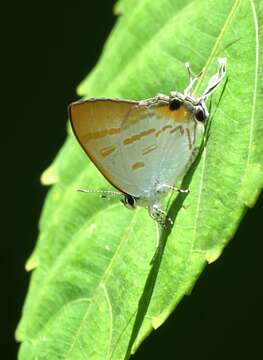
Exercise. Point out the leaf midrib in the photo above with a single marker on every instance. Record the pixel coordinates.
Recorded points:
(204, 155)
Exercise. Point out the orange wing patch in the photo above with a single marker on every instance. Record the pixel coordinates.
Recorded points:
(137, 165)
(148, 149)
(100, 134)
(181, 115)
(138, 137)
(163, 129)
(107, 150)
(189, 139)
(177, 128)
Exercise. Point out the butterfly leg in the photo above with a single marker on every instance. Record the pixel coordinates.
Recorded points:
(160, 216)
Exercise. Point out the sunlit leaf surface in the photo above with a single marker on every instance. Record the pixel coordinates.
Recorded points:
(91, 290)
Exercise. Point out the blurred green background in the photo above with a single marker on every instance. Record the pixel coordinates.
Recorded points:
(50, 47)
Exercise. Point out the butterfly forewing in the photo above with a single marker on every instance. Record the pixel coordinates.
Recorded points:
(97, 126)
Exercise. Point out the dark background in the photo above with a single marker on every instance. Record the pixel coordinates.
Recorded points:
(47, 49)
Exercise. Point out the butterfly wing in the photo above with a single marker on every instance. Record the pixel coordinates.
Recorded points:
(136, 147)
(97, 126)
(157, 145)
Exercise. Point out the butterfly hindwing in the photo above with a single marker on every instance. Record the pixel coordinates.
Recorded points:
(157, 145)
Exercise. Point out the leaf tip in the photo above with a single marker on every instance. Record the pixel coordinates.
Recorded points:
(32, 263)
(157, 321)
(49, 176)
(213, 254)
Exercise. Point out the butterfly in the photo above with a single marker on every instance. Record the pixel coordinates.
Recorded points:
(144, 147)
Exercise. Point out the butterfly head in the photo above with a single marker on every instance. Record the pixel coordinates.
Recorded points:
(197, 105)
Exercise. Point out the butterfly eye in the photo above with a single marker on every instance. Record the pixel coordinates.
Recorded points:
(174, 104)
(200, 115)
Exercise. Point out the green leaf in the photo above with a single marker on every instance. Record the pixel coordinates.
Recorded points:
(96, 290)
